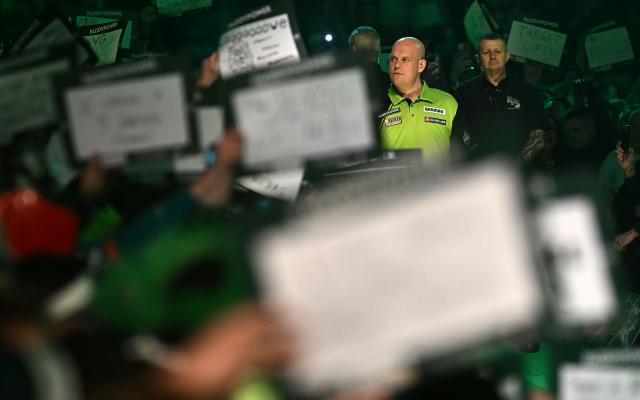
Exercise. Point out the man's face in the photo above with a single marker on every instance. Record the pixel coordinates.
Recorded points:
(493, 55)
(406, 64)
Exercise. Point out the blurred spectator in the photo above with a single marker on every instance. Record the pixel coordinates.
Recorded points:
(582, 143)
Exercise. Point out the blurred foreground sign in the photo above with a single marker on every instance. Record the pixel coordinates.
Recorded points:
(392, 275)
(27, 96)
(598, 382)
(318, 108)
(128, 108)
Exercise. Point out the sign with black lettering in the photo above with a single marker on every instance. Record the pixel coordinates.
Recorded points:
(609, 47)
(104, 40)
(27, 96)
(536, 43)
(128, 109)
(316, 109)
(264, 37)
(90, 19)
(52, 29)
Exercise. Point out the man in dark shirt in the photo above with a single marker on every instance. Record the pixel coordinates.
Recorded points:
(497, 113)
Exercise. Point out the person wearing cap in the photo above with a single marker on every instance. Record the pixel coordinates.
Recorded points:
(417, 116)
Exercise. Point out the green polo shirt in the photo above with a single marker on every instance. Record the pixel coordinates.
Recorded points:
(425, 124)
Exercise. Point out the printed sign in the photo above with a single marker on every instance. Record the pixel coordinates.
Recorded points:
(536, 43)
(27, 95)
(104, 40)
(264, 37)
(608, 47)
(83, 20)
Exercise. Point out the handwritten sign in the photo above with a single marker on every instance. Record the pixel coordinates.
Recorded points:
(27, 97)
(569, 232)
(83, 20)
(129, 116)
(356, 295)
(608, 47)
(177, 7)
(264, 43)
(536, 43)
(589, 382)
(104, 40)
(303, 118)
(475, 24)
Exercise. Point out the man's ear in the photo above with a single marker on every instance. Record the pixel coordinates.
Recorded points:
(508, 56)
(422, 64)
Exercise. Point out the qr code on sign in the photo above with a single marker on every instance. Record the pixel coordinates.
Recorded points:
(239, 57)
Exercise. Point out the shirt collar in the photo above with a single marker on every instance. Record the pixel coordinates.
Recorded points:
(425, 95)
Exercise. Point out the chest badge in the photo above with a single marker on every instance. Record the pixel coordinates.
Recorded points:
(513, 103)
(393, 121)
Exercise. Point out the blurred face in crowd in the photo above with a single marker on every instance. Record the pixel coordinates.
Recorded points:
(406, 63)
(580, 132)
(493, 56)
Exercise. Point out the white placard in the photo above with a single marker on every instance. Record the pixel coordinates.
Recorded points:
(373, 284)
(128, 116)
(265, 43)
(578, 382)
(175, 7)
(83, 20)
(475, 24)
(307, 117)
(210, 123)
(608, 47)
(104, 40)
(569, 233)
(536, 44)
(27, 98)
(283, 185)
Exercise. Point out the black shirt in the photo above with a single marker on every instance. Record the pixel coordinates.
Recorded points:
(496, 118)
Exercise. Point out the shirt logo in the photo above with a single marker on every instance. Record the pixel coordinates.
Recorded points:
(393, 121)
(513, 103)
(392, 111)
(435, 110)
(435, 120)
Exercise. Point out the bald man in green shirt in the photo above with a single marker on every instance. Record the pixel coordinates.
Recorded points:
(417, 116)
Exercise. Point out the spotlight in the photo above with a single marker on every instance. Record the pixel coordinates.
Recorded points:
(328, 37)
